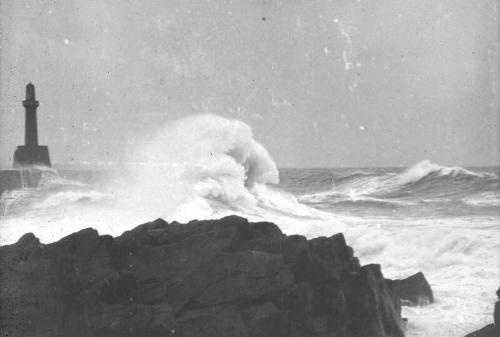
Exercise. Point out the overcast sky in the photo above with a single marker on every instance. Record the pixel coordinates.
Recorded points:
(322, 83)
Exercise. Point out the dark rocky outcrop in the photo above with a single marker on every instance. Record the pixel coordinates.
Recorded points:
(413, 290)
(214, 278)
(491, 330)
(496, 314)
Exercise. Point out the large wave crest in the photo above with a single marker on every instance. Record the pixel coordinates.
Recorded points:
(424, 182)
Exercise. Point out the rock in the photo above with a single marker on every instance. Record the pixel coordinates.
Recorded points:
(218, 321)
(367, 289)
(414, 290)
(240, 277)
(496, 313)
(491, 330)
(224, 277)
(262, 320)
(488, 331)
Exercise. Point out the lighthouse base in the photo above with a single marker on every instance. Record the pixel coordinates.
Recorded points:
(31, 155)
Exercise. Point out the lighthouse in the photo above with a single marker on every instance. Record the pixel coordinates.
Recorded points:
(31, 154)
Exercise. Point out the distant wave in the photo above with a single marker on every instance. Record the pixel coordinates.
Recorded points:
(350, 177)
(425, 182)
(426, 169)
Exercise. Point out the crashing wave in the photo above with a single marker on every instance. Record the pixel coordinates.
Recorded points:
(202, 166)
(203, 156)
(422, 182)
(426, 168)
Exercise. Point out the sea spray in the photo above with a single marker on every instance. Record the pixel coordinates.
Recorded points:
(205, 161)
(198, 167)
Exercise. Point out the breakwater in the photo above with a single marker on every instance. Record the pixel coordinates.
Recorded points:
(31, 177)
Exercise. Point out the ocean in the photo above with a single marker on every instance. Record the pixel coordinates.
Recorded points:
(443, 221)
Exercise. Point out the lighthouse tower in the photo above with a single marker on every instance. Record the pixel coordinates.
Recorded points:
(31, 154)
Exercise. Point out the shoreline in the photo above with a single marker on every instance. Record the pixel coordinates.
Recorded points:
(448, 262)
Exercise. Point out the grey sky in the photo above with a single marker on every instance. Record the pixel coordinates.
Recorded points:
(322, 83)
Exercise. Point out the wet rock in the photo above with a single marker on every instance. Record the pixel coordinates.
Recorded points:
(414, 290)
(226, 277)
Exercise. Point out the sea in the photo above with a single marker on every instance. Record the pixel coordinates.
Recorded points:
(441, 220)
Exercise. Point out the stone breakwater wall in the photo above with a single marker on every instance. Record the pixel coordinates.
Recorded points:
(30, 178)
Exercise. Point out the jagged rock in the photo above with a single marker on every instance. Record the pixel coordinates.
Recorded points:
(365, 290)
(413, 290)
(224, 277)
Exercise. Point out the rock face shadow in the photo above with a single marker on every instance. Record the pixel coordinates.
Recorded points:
(226, 277)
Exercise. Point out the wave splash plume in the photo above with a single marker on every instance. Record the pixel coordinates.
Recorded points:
(203, 159)
(198, 167)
